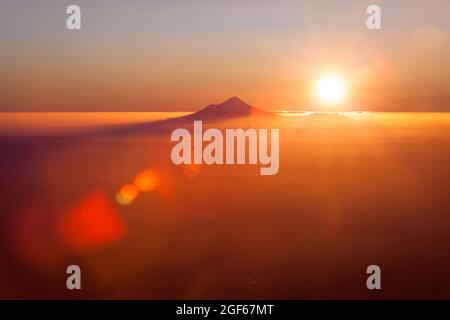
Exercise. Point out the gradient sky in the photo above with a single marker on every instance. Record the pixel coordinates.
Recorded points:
(181, 55)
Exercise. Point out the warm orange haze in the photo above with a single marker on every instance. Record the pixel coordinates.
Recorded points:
(352, 189)
(225, 150)
(164, 56)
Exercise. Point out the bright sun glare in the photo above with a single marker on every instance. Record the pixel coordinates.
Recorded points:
(331, 89)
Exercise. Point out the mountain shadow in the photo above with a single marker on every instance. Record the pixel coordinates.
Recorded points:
(233, 108)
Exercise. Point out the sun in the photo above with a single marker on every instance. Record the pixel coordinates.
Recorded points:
(331, 89)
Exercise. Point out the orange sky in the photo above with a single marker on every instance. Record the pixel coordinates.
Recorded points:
(165, 57)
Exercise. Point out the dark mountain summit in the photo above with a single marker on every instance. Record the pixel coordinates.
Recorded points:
(231, 108)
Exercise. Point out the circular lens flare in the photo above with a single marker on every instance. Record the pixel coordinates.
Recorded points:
(127, 194)
(147, 180)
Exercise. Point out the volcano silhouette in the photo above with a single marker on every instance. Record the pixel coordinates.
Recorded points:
(229, 109)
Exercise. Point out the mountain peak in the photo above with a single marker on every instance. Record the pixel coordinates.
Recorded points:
(232, 103)
(235, 100)
(233, 107)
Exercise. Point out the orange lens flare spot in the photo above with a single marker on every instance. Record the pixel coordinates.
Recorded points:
(127, 194)
(92, 223)
(147, 180)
